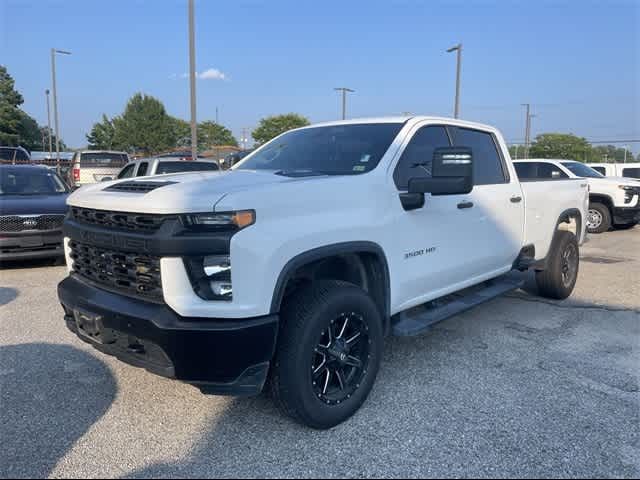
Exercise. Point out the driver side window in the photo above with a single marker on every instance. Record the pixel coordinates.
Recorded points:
(417, 156)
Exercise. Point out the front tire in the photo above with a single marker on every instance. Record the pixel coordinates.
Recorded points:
(328, 355)
(598, 218)
(558, 280)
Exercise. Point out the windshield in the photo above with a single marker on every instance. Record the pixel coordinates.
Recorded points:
(581, 170)
(331, 150)
(30, 181)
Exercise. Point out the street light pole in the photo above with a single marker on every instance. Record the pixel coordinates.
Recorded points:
(55, 102)
(458, 49)
(527, 129)
(49, 124)
(344, 91)
(192, 76)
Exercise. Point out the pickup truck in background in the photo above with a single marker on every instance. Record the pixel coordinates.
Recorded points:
(148, 167)
(288, 271)
(613, 201)
(628, 170)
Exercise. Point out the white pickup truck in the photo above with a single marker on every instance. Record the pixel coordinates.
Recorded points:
(289, 270)
(613, 201)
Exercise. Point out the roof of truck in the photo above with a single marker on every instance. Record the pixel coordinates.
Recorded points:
(407, 118)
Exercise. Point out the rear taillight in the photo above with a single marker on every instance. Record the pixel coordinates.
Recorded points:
(76, 174)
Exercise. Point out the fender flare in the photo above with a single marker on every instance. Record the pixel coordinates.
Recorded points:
(326, 251)
(564, 217)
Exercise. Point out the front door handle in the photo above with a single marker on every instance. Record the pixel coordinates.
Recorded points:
(516, 199)
(462, 205)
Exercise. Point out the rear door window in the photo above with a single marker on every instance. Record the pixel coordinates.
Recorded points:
(532, 171)
(103, 159)
(185, 166)
(631, 172)
(142, 169)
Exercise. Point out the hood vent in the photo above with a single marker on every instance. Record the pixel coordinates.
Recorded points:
(137, 187)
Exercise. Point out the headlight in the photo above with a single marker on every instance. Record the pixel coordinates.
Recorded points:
(211, 276)
(626, 187)
(212, 222)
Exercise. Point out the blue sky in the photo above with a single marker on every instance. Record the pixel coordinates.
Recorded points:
(576, 62)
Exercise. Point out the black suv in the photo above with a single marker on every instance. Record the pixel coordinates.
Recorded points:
(32, 209)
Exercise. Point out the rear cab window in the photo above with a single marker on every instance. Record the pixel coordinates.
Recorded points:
(103, 159)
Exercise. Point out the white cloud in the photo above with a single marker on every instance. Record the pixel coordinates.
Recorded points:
(212, 74)
(209, 74)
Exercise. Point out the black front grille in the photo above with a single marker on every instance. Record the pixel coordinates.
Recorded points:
(134, 222)
(137, 187)
(18, 223)
(133, 274)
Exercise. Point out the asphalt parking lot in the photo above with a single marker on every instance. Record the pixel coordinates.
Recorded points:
(519, 387)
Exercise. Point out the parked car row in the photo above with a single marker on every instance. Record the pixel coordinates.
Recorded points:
(613, 201)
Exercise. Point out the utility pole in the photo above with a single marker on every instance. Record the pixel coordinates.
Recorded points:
(626, 147)
(192, 70)
(344, 91)
(46, 92)
(55, 102)
(527, 129)
(458, 49)
(218, 123)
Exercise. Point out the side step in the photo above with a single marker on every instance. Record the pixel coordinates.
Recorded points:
(418, 319)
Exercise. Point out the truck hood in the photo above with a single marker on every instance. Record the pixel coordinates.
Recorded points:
(33, 204)
(178, 193)
(614, 181)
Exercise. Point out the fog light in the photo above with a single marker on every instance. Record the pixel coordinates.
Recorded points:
(222, 289)
(216, 264)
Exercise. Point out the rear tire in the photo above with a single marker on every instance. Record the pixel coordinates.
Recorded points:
(598, 218)
(334, 327)
(558, 280)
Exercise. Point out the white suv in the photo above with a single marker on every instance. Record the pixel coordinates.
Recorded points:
(613, 201)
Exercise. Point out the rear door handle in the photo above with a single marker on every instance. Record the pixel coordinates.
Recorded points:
(516, 199)
(462, 205)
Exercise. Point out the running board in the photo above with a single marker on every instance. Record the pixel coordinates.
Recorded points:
(419, 319)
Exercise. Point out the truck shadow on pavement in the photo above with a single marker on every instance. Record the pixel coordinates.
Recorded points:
(50, 395)
(8, 295)
(509, 389)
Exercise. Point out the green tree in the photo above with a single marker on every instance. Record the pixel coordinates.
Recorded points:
(561, 146)
(30, 134)
(610, 154)
(211, 134)
(11, 117)
(182, 132)
(271, 127)
(102, 135)
(144, 126)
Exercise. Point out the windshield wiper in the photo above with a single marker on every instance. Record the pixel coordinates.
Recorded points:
(300, 173)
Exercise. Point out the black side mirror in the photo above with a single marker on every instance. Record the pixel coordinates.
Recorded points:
(451, 173)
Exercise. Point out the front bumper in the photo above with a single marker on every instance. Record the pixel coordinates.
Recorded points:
(23, 246)
(623, 215)
(221, 356)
